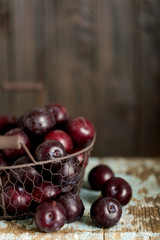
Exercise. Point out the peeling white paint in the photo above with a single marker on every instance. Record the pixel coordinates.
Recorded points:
(76, 236)
(3, 224)
(9, 236)
(27, 236)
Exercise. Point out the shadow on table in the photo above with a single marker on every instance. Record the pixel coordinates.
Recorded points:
(86, 185)
(88, 195)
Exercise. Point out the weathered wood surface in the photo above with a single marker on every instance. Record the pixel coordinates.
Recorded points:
(140, 219)
(100, 58)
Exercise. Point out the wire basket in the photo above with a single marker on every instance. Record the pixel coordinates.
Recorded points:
(23, 187)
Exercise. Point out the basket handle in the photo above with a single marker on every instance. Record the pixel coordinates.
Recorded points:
(10, 142)
(15, 142)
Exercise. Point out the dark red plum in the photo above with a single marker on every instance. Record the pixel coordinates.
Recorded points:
(49, 150)
(5, 179)
(3, 161)
(45, 192)
(20, 121)
(67, 174)
(73, 205)
(99, 175)
(119, 189)
(26, 175)
(38, 121)
(105, 212)
(3, 174)
(16, 199)
(50, 216)
(59, 112)
(62, 137)
(82, 157)
(7, 121)
(81, 131)
(12, 154)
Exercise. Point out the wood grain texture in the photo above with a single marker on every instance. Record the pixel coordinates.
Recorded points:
(51, 53)
(100, 58)
(118, 85)
(24, 50)
(140, 219)
(150, 84)
(76, 39)
(4, 31)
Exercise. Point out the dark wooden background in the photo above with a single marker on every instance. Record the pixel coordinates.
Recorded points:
(100, 58)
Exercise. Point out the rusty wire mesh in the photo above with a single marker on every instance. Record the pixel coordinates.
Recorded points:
(23, 187)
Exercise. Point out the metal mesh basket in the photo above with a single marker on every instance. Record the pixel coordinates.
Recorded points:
(23, 187)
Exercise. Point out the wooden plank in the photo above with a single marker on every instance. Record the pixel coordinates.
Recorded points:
(24, 48)
(77, 36)
(21, 86)
(10, 53)
(51, 65)
(24, 43)
(41, 49)
(140, 219)
(4, 35)
(150, 72)
(119, 119)
(136, 75)
(39, 30)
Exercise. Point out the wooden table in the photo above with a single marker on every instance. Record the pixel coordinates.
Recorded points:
(140, 219)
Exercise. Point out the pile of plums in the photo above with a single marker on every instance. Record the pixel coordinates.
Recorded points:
(48, 188)
(116, 192)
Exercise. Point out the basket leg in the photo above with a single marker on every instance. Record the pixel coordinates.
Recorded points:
(2, 199)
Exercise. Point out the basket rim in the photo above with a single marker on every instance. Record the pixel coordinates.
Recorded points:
(36, 163)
